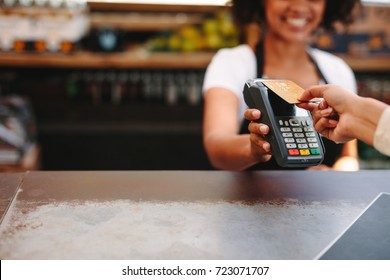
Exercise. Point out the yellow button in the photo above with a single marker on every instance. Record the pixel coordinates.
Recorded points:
(305, 152)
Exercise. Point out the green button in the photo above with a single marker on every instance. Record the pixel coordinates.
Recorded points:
(315, 151)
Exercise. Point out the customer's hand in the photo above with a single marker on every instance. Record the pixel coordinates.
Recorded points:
(343, 115)
(333, 116)
(260, 148)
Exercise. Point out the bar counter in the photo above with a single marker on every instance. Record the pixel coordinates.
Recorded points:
(180, 214)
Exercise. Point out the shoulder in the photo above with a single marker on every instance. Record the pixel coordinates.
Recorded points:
(239, 53)
(243, 49)
(230, 68)
(335, 69)
(328, 61)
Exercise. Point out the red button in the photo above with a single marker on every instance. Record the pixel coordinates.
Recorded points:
(293, 152)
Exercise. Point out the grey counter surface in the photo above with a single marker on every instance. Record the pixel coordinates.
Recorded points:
(181, 214)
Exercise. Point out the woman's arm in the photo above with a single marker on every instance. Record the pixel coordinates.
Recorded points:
(226, 148)
(349, 160)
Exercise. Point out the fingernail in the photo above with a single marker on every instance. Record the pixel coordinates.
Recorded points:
(256, 114)
(326, 111)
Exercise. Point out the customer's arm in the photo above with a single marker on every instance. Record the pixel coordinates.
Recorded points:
(342, 115)
(382, 134)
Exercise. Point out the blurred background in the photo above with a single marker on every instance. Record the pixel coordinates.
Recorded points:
(116, 85)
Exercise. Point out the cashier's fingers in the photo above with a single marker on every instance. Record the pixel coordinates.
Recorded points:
(258, 128)
(260, 148)
(252, 114)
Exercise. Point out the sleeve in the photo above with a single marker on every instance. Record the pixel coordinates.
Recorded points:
(230, 69)
(382, 133)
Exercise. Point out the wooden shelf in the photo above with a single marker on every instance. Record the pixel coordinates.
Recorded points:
(135, 21)
(142, 59)
(132, 59)
(374, 63)
(120, 6)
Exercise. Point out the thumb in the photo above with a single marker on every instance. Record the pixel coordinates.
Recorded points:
(313, 92)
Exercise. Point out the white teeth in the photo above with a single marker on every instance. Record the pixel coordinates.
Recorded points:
(299, 22)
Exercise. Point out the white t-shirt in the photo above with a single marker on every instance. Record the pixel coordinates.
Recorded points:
(231, 68)
(382, 133)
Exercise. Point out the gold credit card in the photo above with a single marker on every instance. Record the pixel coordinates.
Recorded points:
(286, 89)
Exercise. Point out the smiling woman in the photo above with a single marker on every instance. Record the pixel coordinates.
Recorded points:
(283, 52)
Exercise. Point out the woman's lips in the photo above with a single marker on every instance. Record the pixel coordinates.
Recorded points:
(297, 22)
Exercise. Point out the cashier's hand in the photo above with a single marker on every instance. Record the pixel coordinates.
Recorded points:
(260, 148)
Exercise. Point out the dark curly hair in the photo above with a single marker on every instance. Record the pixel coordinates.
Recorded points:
(249, 11)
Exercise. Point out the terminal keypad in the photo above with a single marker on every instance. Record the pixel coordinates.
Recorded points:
(299, 137)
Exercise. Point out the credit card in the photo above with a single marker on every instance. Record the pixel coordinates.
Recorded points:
(287, 90)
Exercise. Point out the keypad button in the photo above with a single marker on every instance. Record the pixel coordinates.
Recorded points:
(315, 151)
(310, 134)
(294, 122)
(291, 146)
(293, 152)
(304, 152)
(299, 137)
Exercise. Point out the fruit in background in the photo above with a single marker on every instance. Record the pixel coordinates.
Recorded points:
(213, 33)
(213, 41)
(189, 38)
(174, 42)
(189, 31)
(228, 28)
(210, 25)
(220, 31)
(157, 44)
(226, 24)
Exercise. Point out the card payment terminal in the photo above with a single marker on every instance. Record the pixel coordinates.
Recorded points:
(293, 139)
